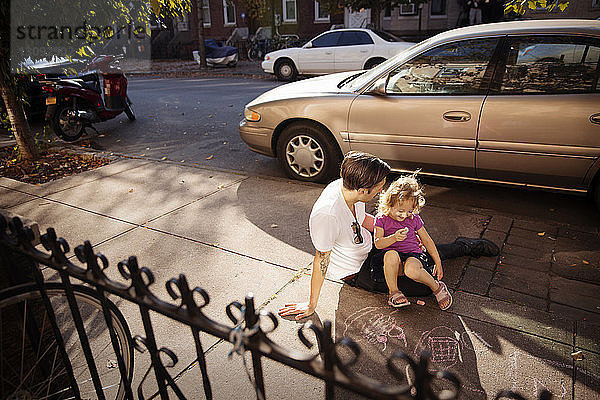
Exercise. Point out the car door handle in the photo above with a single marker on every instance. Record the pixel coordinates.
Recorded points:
(364, 51)
(457, 116)
(595, 118)
(329, 52)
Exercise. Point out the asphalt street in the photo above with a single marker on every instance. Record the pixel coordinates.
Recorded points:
(195, 121)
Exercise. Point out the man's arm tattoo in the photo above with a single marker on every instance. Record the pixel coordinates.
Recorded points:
(324, 263)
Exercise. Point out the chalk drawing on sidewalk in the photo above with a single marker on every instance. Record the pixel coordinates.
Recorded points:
(376, 325)
(444, 344)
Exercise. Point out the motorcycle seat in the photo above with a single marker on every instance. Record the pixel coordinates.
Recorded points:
(86, 85)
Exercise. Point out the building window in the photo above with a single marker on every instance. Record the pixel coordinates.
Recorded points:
(182, 23)
(408, 9)
(321, 14)
(206, 13)
(387, 13)
(595, 3)
(438, 7)
(229, 12)
(289, 10)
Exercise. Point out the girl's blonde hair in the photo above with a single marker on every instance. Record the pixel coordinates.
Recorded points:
(404, 188)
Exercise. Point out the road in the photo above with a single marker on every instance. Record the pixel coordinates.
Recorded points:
(194, 121)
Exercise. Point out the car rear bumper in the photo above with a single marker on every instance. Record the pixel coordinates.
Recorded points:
(258, 139)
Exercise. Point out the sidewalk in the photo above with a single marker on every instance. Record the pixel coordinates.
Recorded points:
(189, 68)
(514, 323)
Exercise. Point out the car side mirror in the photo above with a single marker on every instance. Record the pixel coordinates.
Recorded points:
(379, 88)
(308, 45)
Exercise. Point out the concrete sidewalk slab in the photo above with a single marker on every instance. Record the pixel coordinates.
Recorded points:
(140, 194)
(115, 167)
(229, 379)
(10, 197)
(262, 218)
(225, 276)
(72, 223)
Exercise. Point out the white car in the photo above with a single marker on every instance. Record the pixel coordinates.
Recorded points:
(334, 51)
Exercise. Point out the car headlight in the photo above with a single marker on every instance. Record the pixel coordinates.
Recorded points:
(267, 57)
(250, 115)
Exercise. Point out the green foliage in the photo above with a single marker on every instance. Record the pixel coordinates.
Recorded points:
(521, 6)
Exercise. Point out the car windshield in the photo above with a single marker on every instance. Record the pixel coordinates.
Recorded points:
(388, 37)
(371, 74)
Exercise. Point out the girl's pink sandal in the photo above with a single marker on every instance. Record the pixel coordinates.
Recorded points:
(442, 295)
(398, 299)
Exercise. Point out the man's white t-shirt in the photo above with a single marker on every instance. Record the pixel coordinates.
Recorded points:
(331, 229)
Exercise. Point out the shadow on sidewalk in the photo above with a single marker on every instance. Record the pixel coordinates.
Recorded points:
(487, 357)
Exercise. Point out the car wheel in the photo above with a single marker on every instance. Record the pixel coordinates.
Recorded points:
(373, 62)
(308, 153)
(286, 70)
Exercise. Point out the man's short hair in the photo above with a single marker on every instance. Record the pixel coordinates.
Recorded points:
(362, 170)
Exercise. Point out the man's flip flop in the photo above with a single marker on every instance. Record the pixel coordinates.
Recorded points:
(398, 299)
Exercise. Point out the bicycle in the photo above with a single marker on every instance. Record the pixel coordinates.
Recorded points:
(31, 366)
(259, 47)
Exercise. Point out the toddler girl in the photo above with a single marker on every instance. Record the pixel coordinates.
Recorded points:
(396, 228)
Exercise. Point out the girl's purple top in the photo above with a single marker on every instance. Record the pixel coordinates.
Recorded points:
(390, 226)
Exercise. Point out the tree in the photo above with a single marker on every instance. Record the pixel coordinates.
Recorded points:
(521, 6)
(198, 30)
(117, 13)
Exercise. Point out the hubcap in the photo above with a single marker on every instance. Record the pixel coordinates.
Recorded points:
(285, 70)
(69, 123)
(304, 155)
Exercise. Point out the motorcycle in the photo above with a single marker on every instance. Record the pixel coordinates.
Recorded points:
(96, 95)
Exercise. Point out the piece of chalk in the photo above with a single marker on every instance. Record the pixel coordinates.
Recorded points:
(420, 302)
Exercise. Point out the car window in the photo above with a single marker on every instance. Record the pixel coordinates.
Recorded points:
(354, 38)
(388, 37)
(327, 40)
(551, 64)
(457, 68)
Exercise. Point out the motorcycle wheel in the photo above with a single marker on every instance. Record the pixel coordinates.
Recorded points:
(129, 110)
(66, 126)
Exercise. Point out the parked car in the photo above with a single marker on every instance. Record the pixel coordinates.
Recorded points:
(334, 51)
(466, 103)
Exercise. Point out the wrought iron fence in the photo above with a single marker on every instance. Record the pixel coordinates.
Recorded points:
(41, 320)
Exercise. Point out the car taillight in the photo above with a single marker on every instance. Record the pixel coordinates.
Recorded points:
(48, 89)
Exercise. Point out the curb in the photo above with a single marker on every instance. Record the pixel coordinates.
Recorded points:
(191, 74)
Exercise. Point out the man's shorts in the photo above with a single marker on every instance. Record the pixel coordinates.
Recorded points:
(377, 263)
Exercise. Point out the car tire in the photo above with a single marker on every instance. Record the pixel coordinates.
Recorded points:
(373, 62)
(307, 152)
(285, 70)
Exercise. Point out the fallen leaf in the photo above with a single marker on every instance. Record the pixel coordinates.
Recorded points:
(577, 356)
(573, 265)
(541, 233)
(585, 262)
(274, 225)
(130, 190)
(210, 157)
(143, 155)
(164, 158)
(210, 116)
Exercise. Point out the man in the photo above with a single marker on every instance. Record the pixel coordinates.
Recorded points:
(341, 230)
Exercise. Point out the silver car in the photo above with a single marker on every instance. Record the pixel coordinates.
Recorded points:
(515, 102)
